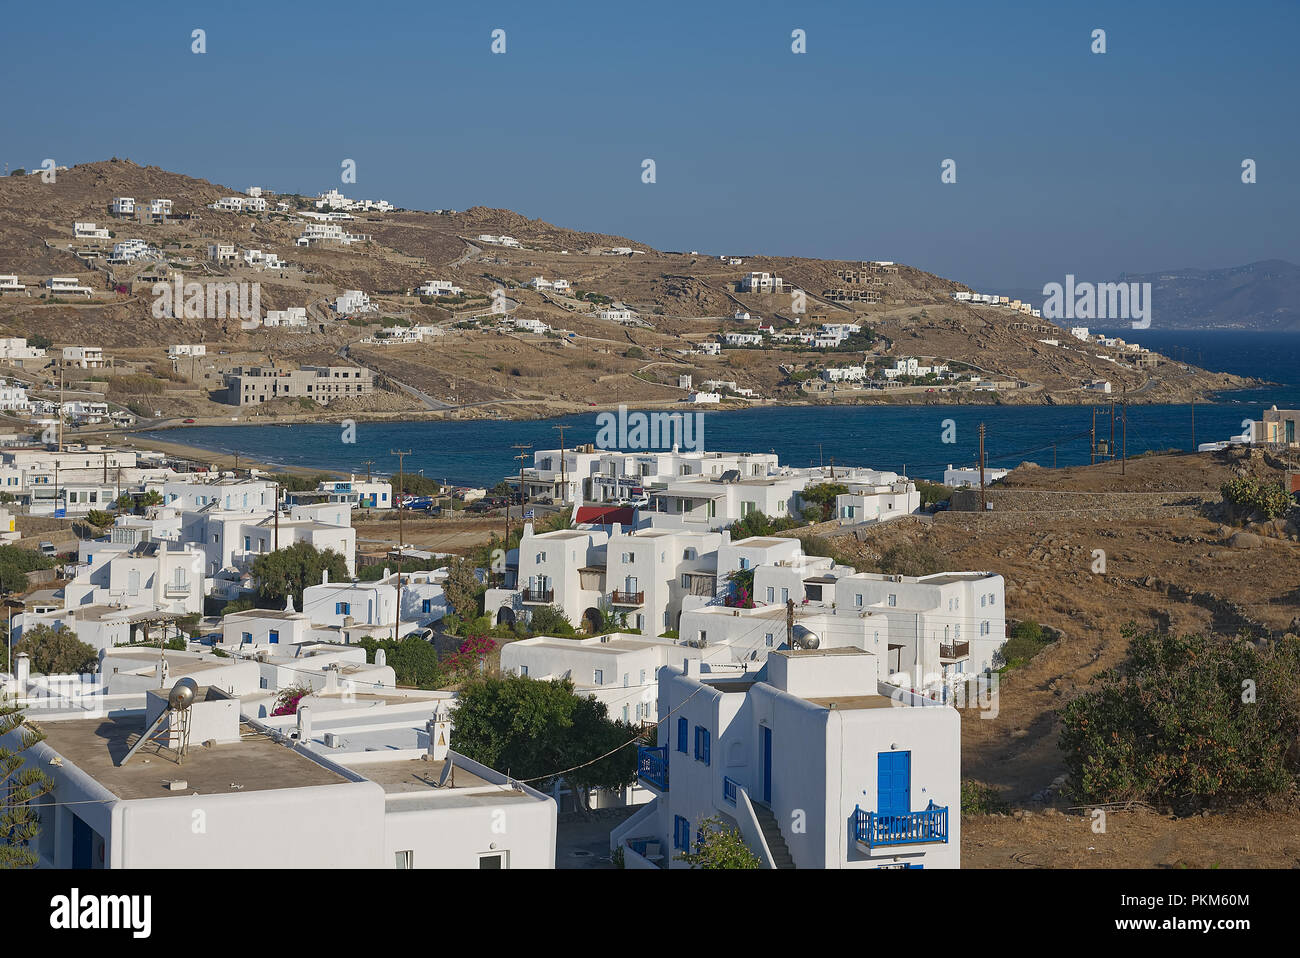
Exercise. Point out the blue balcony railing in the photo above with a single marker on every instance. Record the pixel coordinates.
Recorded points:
(652, 766)
(930, 825)
(729, 787)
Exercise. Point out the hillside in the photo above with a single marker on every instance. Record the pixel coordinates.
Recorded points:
(481, 368)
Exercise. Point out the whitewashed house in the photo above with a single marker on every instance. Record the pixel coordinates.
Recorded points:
(807, 760)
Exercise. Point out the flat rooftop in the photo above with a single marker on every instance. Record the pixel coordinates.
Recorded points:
(414, 779)
(854, 702)
(254, 764)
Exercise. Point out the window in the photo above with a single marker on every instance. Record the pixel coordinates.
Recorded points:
(702, 744)
(275, 636)
(744, 563)
(857, 601)
(523, 670)
(626, 680)
(893, 599)
(768, 639)
(246, 637)
(643, 676)
(771, 594)
(681, 834)
(785, 596)
(983, 600)
(686, 580)
(426, 605)
(682, 725)
(406, 859)
(342, 608)
(629, 556)
(495, 860)
(599, 676)
(625, 715)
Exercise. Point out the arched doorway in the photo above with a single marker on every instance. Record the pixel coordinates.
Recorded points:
(591, 620)
(506, 616)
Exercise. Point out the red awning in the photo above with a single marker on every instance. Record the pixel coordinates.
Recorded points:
(606, 515)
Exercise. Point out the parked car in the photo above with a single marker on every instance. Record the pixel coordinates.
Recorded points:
(47, 549)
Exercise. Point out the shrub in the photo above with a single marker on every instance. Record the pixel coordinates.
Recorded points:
(1249, 496)
(549, 620)
(980, 799)
(911, 558)
(1189, 721)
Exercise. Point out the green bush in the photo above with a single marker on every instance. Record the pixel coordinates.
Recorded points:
(1250, 496)
(1026, 640)
(911, 558)
(980, 799)
(549, 620)
(1188, 721)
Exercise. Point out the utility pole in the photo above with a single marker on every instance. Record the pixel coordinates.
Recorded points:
(789, 624)
(832, 467)
(1193, 425)
(1110, 447)
(982, 493)
(1053, 455)
(61, 409)
(275, 546)
(368, 463)
(522, 456)
(1092, 442)
(564, 483)
(401, 455)
(1123, 462)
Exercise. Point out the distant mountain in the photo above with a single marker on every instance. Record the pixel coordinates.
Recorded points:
(1262, 296)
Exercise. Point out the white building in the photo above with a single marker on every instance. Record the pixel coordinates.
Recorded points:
(762, 283)
(186, 349)
(90, 231)
(813, 765)
(293, 316)
(349, 781)
(1079, 332)
(966, 476)
(353, 301)
(221, 252)
(59, 285)
(15, 350)
(123, 206)
(9, 283)
(438, 287)
(84, 357)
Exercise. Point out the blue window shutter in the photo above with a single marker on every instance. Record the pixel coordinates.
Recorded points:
(682, 726)
(706, 746)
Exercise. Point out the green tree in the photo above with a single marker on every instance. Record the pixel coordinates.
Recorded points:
(720, 846)
(821, 498)
(152, 498)
(549, 620)
(99, 518)
(15, 563)
(1189, 721)
(535, 730)
(463, 588)
(56, 651)
(288, 571)
(19, 788)
(412, 659)
(125, 502)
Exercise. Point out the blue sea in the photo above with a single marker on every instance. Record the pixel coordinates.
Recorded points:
(886, 437)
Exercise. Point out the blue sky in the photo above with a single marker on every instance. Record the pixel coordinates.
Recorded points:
(1067, 161)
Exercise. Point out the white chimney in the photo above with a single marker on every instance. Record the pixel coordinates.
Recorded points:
(24, 672)
(304, 724)
(381, 657)
(439, 729)
(325, 577)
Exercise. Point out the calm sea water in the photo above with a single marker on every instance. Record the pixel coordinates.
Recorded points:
(885, 437)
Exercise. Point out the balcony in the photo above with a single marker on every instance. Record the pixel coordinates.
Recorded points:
(730, 788)
(177, 590)
(539, 596)
(626, 598)
(914, 828)
(652, 766)
(957, 650)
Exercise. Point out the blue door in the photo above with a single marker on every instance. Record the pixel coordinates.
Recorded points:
(82, 843)
(767, 765)
(893, 783)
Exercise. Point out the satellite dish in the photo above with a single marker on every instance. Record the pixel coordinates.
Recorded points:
(182, 694)
(447, 769)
